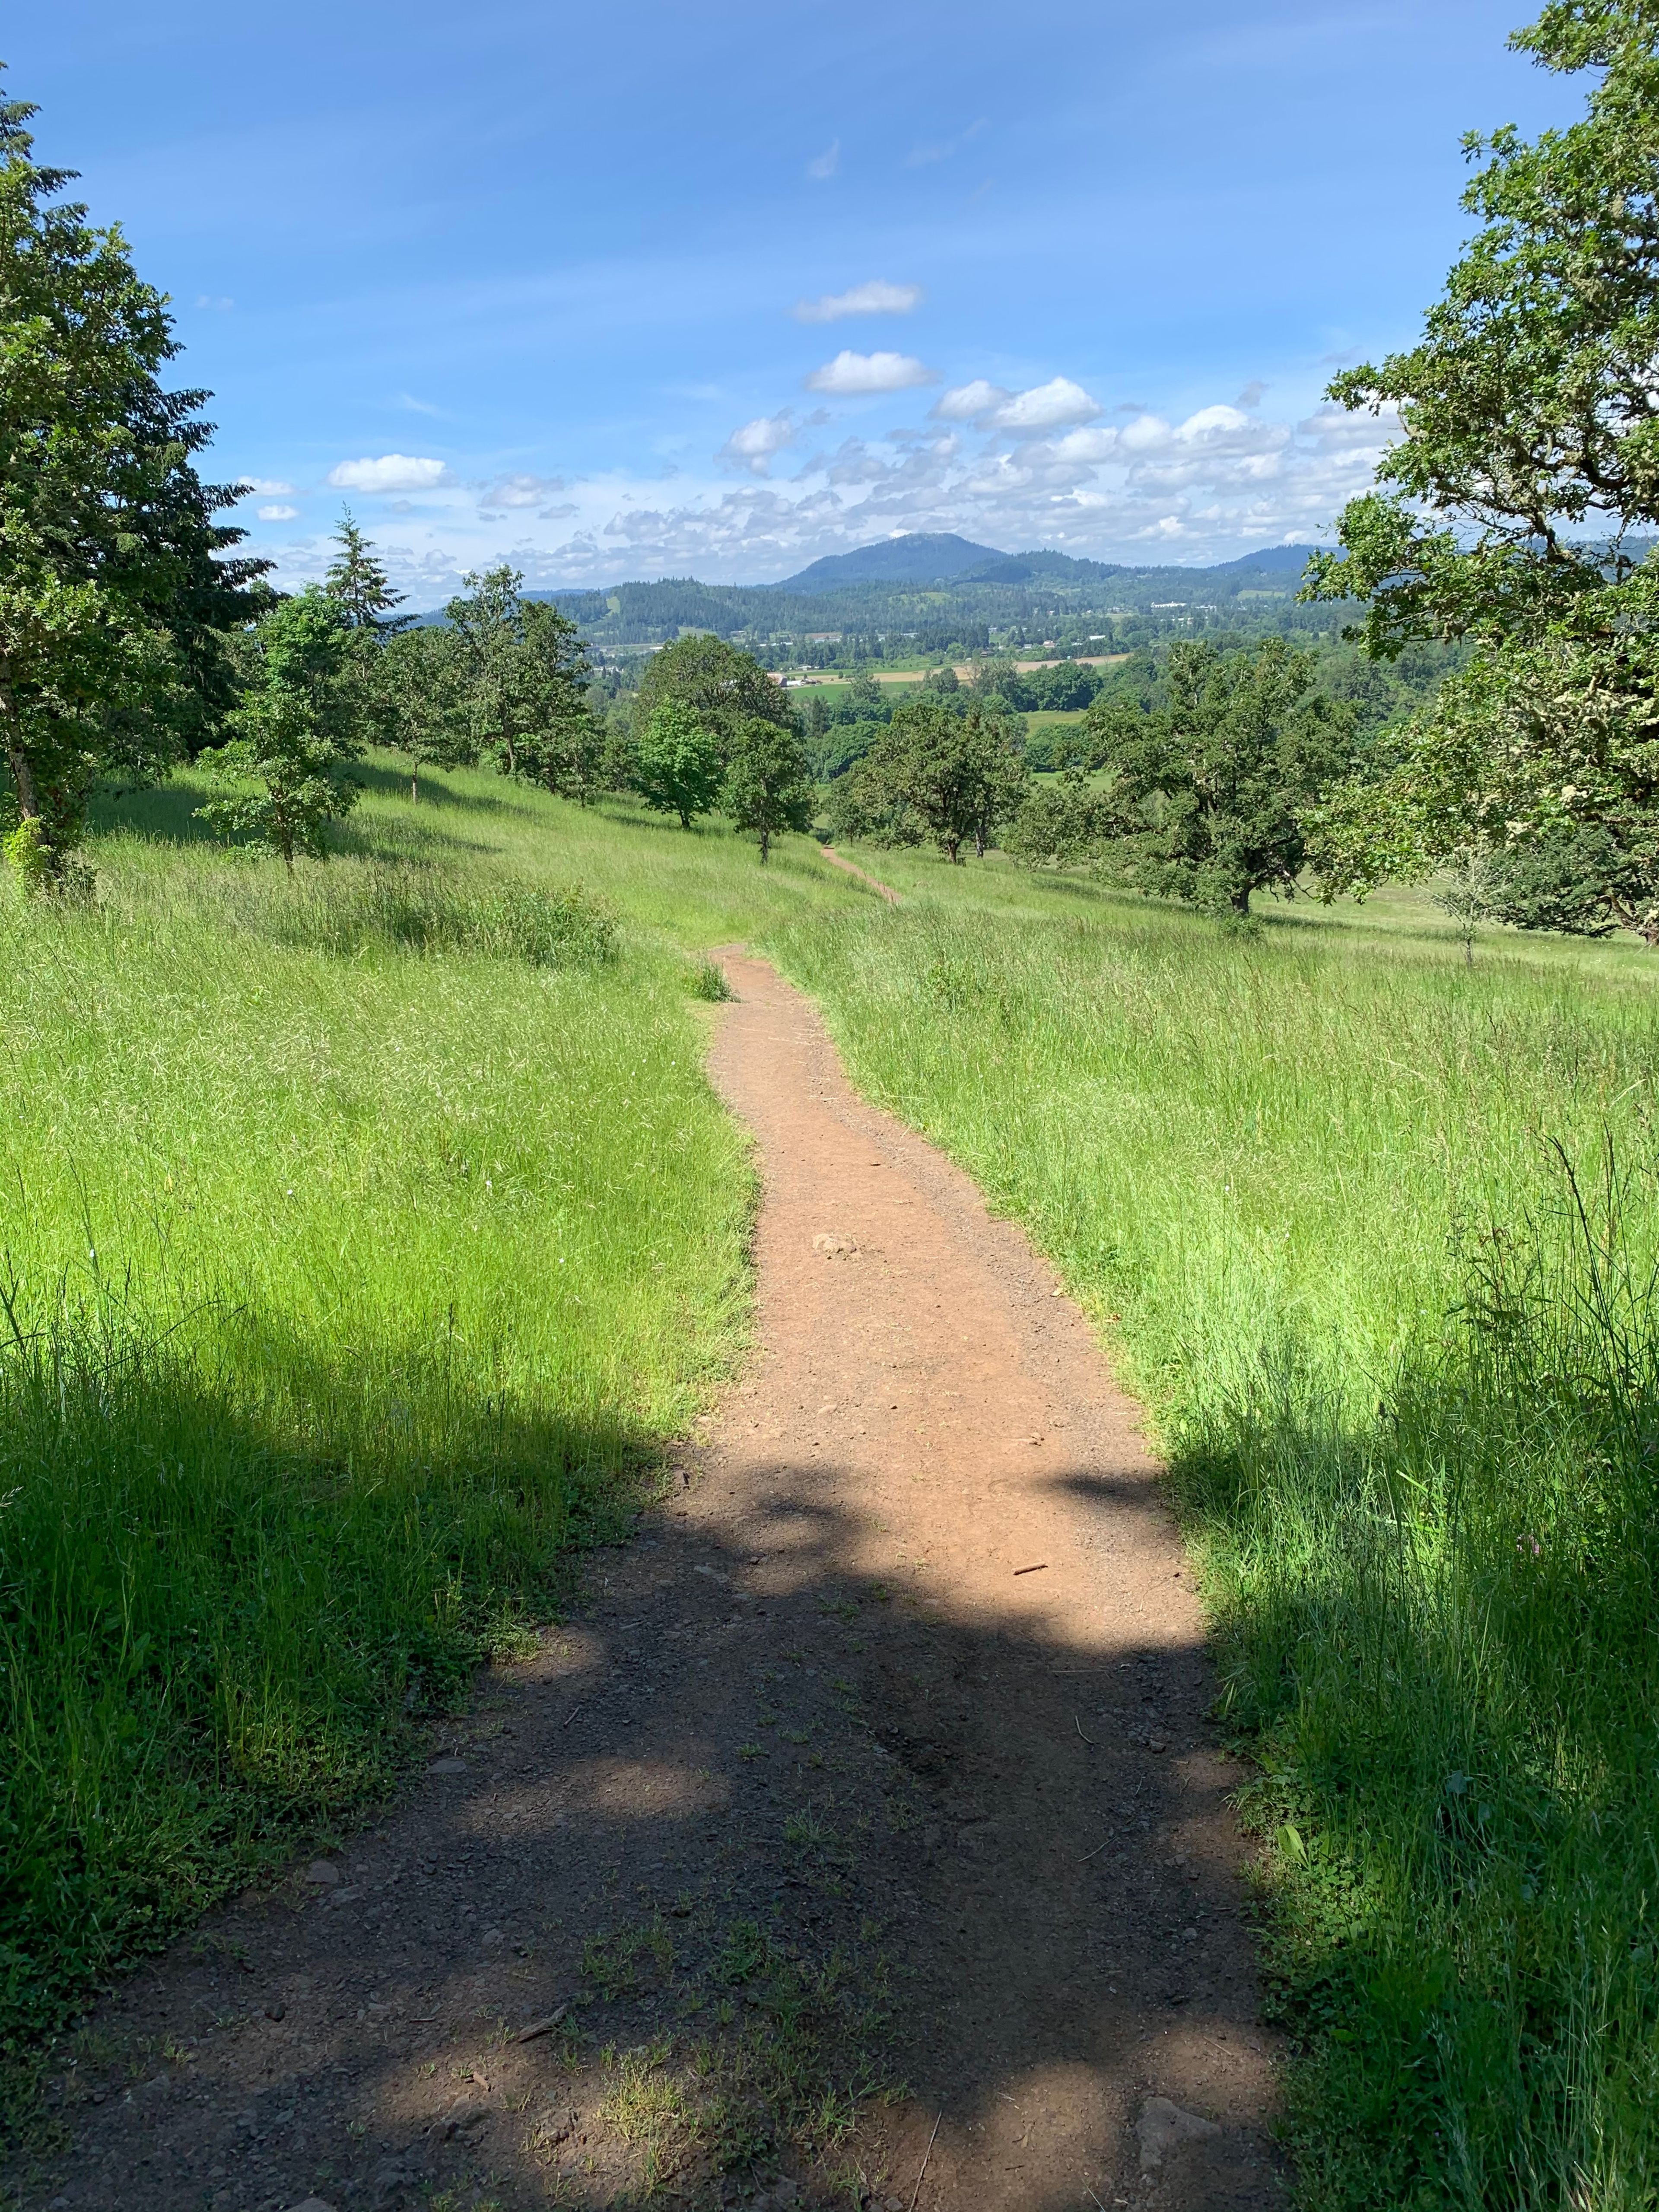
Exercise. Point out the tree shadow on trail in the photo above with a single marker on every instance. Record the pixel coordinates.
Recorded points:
(784, 1875)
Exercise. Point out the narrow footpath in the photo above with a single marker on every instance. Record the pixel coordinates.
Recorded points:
(859, 1841)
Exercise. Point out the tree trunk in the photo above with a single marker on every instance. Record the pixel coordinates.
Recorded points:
(953, 847)
(766, 845)
(17, 759)
(414, 783)
(1241, 900)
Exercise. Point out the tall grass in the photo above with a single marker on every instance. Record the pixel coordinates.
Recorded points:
(361, 1239)
(356, 1240)
(1381, 1232)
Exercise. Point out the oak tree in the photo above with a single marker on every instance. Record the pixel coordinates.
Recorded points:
(1205, 794)
(678, 762)
(1509, 511)
(768, 786)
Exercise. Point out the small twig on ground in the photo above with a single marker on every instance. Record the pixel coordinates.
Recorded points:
(541, 2026)
(1094, 1854)
(1040, 1567)
(926, 2155)
(571, 1714)
(1089, 2193)
(1077, 1725)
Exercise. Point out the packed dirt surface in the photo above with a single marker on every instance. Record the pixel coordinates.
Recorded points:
(859, 1842)
(840, 861)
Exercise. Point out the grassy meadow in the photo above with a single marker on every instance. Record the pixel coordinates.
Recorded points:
(365, 1237)
(1373, 1232)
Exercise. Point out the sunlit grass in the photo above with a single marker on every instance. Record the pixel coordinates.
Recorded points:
(1307, 1184)
(362, 1237)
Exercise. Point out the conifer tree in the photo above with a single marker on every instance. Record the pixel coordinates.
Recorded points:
(115, 598)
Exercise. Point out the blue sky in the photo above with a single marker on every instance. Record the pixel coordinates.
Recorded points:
(713, 290)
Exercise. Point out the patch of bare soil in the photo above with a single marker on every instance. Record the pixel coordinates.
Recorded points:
(859, 1842)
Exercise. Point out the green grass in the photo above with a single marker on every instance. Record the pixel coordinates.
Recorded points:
(1411, 1397)
(363, 1239)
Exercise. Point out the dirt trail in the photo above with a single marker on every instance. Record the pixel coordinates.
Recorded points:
(877, 1762)
(840, 861)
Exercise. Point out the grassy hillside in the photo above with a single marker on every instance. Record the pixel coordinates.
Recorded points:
(365, 1238)
(368, 1236)
(1374, 1234)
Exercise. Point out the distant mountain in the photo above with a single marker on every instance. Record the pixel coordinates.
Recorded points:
(943, 594)
(919, 557)
(1039, 567)
(1294, 557)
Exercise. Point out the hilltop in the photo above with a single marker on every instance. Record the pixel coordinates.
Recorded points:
(933, 593)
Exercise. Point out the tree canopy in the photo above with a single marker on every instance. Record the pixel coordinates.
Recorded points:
(115, 595)
(679, 761)
(1508, 510)
(721, 685)
(1205, 792)
(296, 729)
(522, 671)
(768, 786)
(955, 775)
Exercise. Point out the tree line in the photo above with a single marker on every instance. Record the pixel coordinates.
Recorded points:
(1505, 549)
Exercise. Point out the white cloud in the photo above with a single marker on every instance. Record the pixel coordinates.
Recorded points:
(518, 491)
(853, 374)
(1045, 407)
(824, 166)
(270, 487)
(389, 472)
(875, 297)
(1213, 423)
(1253, 393)
(1146, 434)
(1217, 482)
(1091, 447)
(1335, 429)
(417, 406)
(969, 402)
(277, 513)
(753, 447)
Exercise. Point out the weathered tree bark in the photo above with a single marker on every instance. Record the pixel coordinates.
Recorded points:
(17, 759)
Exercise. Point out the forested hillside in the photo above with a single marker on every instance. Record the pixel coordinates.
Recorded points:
(1012, 599)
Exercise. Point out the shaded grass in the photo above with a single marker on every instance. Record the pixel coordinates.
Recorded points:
(361, 1240)
(301, 1410)
(1374, 1236)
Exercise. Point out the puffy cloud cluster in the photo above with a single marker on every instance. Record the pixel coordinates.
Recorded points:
(1038, 465)
(1044, 407)
(514, 494)
(755, 445)
(857, 375)
(388, 472)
